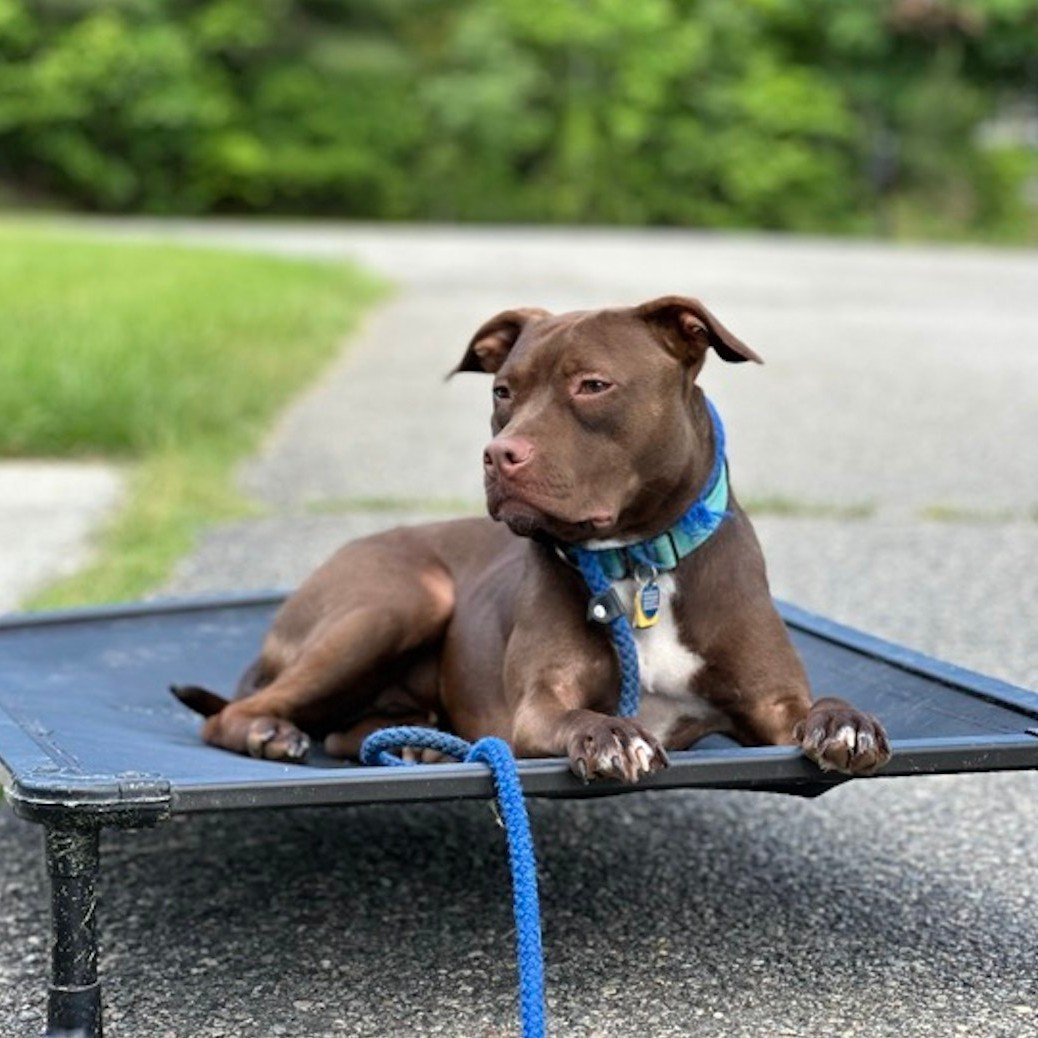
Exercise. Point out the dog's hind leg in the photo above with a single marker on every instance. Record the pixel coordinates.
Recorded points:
(328, 654)
(342, 658)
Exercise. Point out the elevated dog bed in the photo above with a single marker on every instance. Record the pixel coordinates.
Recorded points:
(89, 737)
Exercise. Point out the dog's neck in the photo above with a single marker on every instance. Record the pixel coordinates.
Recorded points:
(699, 511)
(664, 506)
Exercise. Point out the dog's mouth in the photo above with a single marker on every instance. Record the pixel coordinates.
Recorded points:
(526, 514)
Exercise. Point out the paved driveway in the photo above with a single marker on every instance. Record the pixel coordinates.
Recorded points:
(889, 450)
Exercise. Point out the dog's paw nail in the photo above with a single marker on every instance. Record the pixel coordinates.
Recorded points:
(580, 767)
(259, 735)
(811, 741)
(645, 759)
(642, 755)
(298, 747)
(847, 735)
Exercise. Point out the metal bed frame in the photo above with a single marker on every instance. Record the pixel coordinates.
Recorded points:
(90, 738)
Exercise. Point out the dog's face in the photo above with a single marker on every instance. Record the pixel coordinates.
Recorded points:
(592, 418)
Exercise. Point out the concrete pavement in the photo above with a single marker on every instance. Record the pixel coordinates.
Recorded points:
(889, 448)
(900, 378)
(48, 512)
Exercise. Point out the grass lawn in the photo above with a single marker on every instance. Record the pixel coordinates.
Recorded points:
(171, 359)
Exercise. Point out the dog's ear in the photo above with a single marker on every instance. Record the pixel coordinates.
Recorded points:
(489, 347)
(688, 329)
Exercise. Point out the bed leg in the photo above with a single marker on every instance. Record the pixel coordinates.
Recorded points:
(74, 1002)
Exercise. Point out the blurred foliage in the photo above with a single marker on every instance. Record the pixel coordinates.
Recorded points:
(844, 115)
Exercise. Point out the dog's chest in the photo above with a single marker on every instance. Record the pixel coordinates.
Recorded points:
(667, 666)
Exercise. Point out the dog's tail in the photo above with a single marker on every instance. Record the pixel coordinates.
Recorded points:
(199, 699)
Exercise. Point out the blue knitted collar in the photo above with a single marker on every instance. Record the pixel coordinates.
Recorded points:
(693, 528)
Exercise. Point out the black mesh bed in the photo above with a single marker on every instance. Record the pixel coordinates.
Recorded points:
(90, 737)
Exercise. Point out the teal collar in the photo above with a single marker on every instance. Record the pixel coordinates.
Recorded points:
(665, 551)
(693, 529)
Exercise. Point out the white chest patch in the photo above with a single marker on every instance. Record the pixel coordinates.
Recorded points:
(666, 666)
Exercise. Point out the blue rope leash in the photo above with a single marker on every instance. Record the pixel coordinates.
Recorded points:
(620, 629)
(497, 755)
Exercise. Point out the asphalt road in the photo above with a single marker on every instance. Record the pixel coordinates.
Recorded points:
(902, 382)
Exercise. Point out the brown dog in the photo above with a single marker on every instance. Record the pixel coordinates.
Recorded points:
(601, 438)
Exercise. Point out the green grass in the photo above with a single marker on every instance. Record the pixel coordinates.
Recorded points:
(941, 513)
(172, 359)
(402, 505)
(788, 507)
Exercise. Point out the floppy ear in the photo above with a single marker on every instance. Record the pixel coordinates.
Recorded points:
(689, 329)
(489, 347)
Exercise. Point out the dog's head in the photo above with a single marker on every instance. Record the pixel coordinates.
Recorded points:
(594, 425)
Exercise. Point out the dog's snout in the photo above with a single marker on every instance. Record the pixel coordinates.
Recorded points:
(507, 454)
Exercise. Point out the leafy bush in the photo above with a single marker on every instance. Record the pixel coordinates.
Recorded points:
(804, 114)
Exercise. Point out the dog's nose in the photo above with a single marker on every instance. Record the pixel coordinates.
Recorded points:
(507, 454)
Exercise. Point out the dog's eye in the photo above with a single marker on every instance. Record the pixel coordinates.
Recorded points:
(502, 393)
(591, 386)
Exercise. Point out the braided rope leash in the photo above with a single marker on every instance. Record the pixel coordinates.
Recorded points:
(621, 631)
(497, 755)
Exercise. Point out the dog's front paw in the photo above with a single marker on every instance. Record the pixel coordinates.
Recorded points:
(839, 738)
(614, 747)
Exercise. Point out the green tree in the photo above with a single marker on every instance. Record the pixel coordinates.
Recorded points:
(839, 115)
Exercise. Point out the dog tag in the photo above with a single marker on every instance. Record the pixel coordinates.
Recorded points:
(647, 604)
